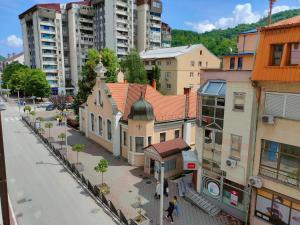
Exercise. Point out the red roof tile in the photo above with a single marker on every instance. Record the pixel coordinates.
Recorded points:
(119, 92)
(171, 147)
(283, 23)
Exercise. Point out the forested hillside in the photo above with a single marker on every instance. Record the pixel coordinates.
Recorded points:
(221, 41)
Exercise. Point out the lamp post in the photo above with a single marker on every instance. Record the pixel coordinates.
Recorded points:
(3, 183)
(66, 138)
(161, 206)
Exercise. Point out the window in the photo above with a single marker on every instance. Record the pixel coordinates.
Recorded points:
(139, 144)
(240, 63)
(283, 105)
(109, 135)
(158, 63)
(191, 74)
(169, 62)
(146, 63)
(149, 140)
(92, 122)
(162, 137)
(177, 133)
(276, 209)
(130, 143)
(100, 98)
(280, 161)
(167, 75)
(213, 110)
(169, 86)
(200, 52)
(153, 63)
(277, 51)
(124, 138)
(193, 63)
(236, 143)
(239, 101)
(100, 130)
(200, 63)
(295, 54)
(232, 63)
(170, 165)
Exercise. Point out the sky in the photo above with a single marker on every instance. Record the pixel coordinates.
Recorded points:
(197, 15)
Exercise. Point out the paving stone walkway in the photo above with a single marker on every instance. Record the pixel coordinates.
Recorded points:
(127, 183)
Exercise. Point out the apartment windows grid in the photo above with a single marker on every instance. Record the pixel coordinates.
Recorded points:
(239, 101)
(281, 162)
(139, 144)
(177, 133)
(235, 146)
(109, 134)
(100, 125)
(162, 137)
(277, 51)
(232, 63)
(266, 200)
(92, 122)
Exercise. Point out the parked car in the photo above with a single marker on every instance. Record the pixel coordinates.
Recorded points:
(44, 104)
(2, 105)
(50, 107)
(69, 105)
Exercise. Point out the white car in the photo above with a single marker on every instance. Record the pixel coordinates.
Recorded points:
(44, 104)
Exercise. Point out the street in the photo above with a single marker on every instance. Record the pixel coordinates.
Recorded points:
(41, 191)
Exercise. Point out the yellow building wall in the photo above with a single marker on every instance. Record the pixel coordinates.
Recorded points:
(248, 61)
(247, 42)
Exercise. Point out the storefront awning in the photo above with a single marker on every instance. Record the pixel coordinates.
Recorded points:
(190, 160)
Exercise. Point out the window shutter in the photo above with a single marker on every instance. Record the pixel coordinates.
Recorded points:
(274, 104)
(292, 110)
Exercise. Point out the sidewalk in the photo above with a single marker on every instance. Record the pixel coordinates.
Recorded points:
(127, 183)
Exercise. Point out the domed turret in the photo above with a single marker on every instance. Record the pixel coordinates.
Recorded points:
(141, 110)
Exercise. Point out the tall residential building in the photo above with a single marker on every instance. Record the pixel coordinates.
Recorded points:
(166, 35)
(114, 25)
(276, 77)
(148, 24)
(43, 42)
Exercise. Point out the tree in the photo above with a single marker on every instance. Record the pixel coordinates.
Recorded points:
(88, 80)
(27, 109)
(9, 70)
(78, 148)
(134, 68)
(156, 76)
(32, 113)
(18, 79)
(59, 101)
(49, 125)
(111, 63)
(61, 136)
(102, 167)
(37, 84)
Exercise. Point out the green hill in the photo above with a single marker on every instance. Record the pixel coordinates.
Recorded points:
(2, 58)
(221, 41)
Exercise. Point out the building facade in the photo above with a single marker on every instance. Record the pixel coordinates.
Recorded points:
(276, 182)
(124, 118)
(19, 58)
(166, 35)
(180, 66)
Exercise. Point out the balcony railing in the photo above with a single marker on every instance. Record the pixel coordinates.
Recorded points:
(283, 177)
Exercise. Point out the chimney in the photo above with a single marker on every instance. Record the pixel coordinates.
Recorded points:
(187, 92)
(153, 84)
(125, 81)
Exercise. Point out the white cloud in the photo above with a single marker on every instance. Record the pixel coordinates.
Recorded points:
(278, 9)
(14, 41)
(242, 13)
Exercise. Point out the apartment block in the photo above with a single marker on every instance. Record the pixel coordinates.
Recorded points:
(276, 172)
(148, 24)
(43, 42)
(166, 35)
(180, 66)
(114, 25)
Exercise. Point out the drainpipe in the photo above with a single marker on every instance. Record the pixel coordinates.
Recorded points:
(121, 155)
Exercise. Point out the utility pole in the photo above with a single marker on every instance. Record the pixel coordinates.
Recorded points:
(271, 8)
(161, 208)
(3, 184)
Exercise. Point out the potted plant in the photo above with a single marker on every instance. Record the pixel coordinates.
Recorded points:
(78, 148)
(141, 219)
(102, 167)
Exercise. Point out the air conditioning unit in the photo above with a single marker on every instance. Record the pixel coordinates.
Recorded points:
(255, 181)
(268, 119)
(231, 162)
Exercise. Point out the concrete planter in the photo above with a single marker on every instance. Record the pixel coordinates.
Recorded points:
(143, 220)
(79, 166)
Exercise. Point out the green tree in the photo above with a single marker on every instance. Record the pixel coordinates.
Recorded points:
(134, 68)
(9, 70)
(27, 109)
(88, 80)
(61, 136)
(78, 148)
(49, 125)
(111, 63)
(156, 76)
(36, 84)
(18, 79)
(102, 167)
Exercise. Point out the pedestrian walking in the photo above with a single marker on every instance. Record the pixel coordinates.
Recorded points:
(170, 211)
(60, 121)
(176, 207)
(157, 190)
(166, 188)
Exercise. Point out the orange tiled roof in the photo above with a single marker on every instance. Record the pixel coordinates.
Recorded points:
(287, 22)
(165, 107)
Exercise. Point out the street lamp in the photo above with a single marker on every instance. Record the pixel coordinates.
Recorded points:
(66, 138)
(3, 183)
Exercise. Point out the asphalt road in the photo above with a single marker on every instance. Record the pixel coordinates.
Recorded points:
(41, 192)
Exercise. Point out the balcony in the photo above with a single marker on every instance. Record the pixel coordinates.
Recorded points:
(122, 21)
(122, 28)
(121, 12)
(157, 18)
(155, 25)
(122, 4)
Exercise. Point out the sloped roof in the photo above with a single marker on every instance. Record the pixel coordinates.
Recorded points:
(283, 23)
(168, 52)
(165, 107)
(167, 148)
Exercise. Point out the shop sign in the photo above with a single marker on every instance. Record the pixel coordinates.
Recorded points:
(213, 188)
(234, 198)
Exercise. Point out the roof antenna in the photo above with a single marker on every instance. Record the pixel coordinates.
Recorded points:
(271, 8)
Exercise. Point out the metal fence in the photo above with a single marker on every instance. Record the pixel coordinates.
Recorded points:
(93, 191)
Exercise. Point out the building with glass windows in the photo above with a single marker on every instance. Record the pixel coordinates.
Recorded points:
(125, 118)
(276, 77)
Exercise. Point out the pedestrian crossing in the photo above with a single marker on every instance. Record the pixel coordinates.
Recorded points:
(11, 119)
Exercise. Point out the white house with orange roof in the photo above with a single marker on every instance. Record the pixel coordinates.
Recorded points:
(125, 118)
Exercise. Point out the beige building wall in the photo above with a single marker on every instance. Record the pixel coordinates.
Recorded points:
(247, 42)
